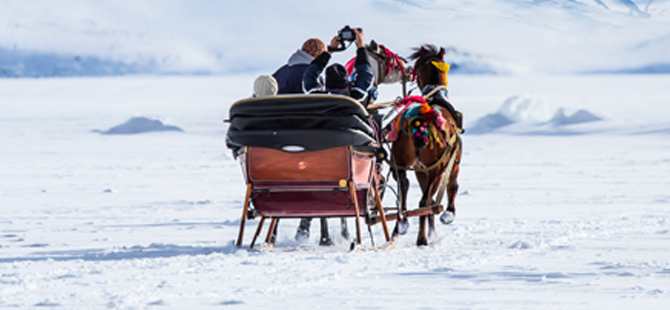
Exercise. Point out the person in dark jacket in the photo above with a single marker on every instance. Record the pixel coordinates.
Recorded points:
(289, 76)
(337, 80)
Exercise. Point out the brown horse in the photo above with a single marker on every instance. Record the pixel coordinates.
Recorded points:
(434, 151)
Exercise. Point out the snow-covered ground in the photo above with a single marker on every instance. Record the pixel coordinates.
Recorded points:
(550, 214)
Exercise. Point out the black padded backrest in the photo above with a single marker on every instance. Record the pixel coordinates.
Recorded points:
(296, 122)
(284, 105)
(310, 140)
(300, 112)
(313, 122)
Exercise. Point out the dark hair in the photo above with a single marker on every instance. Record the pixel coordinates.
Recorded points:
(336, 77)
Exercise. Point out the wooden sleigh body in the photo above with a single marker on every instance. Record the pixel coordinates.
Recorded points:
(305, 156)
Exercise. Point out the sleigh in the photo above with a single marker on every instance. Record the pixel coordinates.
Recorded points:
(305, 156)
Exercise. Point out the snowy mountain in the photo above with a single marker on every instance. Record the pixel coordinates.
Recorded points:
(65, 38)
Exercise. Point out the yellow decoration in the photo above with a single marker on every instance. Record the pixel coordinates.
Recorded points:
(424, 108)
(343, 183)
(444, 67)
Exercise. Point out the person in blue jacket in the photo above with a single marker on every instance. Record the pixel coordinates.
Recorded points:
(337, 80)
(289, 76)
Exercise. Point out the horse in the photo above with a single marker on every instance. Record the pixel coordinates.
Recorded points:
(427, 147)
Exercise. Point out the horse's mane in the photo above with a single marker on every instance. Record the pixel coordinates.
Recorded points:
(425, 51)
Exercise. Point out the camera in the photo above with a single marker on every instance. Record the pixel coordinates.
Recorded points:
(347, 34)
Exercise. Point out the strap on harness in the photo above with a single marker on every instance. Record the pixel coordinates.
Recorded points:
(450, 149)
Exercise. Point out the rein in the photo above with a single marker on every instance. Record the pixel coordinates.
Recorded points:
(397, 100)
(435, 90)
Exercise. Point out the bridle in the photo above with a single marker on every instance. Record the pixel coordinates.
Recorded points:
(419, 65)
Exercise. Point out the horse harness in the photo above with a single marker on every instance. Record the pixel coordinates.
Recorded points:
(453, 143)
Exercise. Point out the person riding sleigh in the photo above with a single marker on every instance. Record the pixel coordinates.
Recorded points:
(337, 80)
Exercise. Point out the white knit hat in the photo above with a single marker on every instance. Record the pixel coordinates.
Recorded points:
(265, 85)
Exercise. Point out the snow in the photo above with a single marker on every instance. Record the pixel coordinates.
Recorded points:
(531, 111)
(548, 216)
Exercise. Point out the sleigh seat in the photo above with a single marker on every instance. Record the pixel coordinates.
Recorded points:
(304, 155)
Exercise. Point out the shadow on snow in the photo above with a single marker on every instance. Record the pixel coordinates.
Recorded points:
(155, 250)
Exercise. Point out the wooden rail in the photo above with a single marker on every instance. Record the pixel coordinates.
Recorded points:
(410, 213)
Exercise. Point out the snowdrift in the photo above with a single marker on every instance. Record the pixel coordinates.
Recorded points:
(139, 124)
(531, 114)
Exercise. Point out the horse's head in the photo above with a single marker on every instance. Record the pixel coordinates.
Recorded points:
(387, 67)
(429, 66)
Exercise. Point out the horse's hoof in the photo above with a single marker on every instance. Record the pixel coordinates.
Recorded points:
(402, 227)
(422, 241)
(302, 235)
(447, 217)
(326, 242)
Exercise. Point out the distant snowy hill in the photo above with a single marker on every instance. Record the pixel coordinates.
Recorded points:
(70, 38)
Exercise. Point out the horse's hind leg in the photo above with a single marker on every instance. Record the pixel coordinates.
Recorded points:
(344, 231)
(448, 216)
(421, 239)
(436, 182)
(274, 232)
(402, 224)
(303, 229)
(429, 187)
(325, 237)
(452, 189)
(431, 225)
